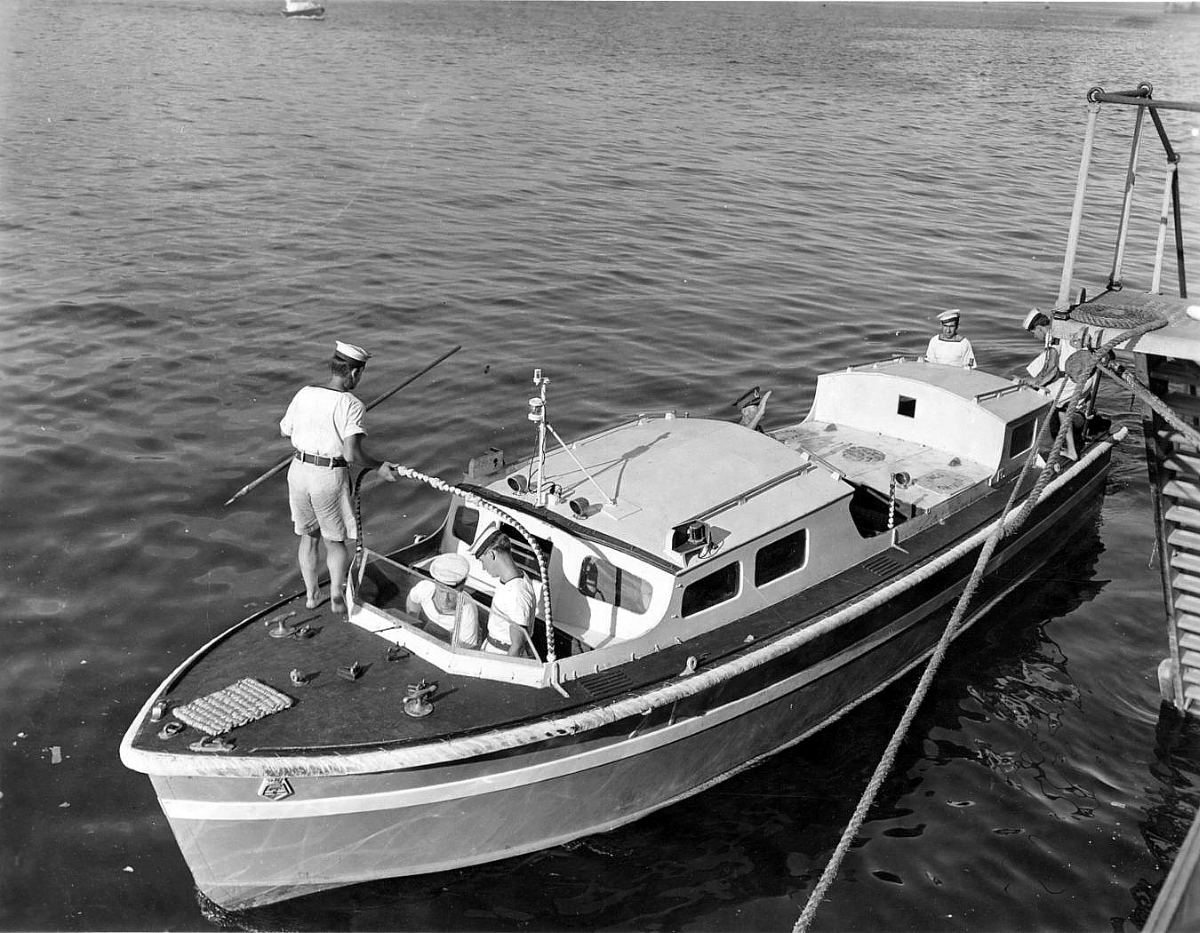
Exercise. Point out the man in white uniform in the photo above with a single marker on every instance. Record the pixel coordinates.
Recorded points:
(949, 347)
(325, 424)
(442, 602)
(511, 620)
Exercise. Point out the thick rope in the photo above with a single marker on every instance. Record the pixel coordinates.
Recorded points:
(1145, 395)
(887, 760)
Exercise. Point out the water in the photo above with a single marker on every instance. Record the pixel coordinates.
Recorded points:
(661, 205)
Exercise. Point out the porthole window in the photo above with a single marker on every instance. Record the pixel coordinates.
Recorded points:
(781, 557)
(712, 590)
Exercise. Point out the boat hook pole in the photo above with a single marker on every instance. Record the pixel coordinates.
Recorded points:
(386, 395)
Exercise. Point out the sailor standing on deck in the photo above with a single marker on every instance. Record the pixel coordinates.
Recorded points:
(510, 622)
(949, 347)
(325, 424)
(1048, 373)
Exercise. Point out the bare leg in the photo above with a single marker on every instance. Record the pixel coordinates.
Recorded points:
(337, 556)
(308, 555)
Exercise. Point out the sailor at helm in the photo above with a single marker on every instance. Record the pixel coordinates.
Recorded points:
(949, 347)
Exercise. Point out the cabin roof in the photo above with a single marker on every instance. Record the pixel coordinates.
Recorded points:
(662, 472)
(1003, 398)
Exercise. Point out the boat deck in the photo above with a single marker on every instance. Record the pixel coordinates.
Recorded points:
(331, 711)
(871, 459)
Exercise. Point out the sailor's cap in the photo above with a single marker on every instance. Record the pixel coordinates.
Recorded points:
(491, 536)
(950, 317)
(350, 353)
(1034, 318)
(450, 569)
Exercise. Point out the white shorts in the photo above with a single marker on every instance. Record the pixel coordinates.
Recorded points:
(320, 499)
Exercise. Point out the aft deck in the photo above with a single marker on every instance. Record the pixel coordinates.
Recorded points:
(867, 458)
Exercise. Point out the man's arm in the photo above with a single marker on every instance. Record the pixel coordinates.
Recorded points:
(354, 452)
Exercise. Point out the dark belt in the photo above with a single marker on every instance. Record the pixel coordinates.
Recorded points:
(320, 461)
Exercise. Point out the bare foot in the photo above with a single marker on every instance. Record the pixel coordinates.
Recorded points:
(311, 600)
(337, 605)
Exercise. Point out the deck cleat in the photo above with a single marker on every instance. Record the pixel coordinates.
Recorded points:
(396, 653)
(417, 704)
(351, 671)
(278, 628)
(298, 677)
(171, 729)
(159, 710)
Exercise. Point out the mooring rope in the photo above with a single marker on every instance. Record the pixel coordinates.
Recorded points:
(887, 760)
(482, 504)
(883, 769)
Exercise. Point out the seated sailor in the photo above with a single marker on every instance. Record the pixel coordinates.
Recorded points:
(442, 600)
(510, 624)
(949, 347)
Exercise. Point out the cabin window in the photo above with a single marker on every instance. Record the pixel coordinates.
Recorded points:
(523, 555)
(716, 588)
(781, 557)
(1022, 437)
(610, 584)
(466, 524)
(907, 407)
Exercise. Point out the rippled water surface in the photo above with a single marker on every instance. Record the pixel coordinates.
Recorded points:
(660, 205)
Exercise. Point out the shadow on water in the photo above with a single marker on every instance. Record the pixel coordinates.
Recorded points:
(763, 837)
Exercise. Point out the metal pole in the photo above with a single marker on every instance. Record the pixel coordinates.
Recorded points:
(1064, 288)
(1156, 280)
(1178, 236)
(1114, 278)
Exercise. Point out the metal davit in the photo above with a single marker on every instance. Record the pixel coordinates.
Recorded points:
(1140, 97)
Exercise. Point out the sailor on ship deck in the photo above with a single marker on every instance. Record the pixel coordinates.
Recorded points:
(325, 425)
(949, 347)
(510, 624)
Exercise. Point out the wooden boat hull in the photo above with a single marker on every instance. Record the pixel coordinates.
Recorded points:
(335, 829)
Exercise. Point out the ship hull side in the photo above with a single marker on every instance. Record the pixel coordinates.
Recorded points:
(335, 830)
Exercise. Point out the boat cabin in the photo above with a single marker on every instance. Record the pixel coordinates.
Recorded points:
(664, 528)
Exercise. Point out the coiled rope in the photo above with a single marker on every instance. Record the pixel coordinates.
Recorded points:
(887, 760)
(479, 503)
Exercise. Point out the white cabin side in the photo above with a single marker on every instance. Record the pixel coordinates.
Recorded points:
(964, 413)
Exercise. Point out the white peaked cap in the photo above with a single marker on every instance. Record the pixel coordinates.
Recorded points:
(947, 317)
(350, 353)
(450, 569)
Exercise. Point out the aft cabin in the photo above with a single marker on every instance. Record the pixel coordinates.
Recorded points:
(910, 435)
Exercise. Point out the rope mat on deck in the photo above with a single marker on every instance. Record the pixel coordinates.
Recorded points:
(235, 705)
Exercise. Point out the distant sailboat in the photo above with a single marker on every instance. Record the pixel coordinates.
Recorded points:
(309, 9)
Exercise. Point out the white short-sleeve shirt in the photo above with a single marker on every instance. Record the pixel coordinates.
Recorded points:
(319, 419)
